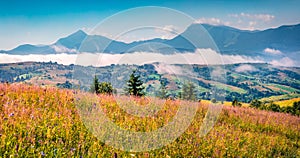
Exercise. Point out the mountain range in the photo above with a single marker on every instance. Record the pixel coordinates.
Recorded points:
(284, 39)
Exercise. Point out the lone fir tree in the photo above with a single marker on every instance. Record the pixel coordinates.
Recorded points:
(135, 85)
(95, 85)
(163, 92)
(188, 91)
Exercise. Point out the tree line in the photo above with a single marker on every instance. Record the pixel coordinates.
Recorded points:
(135, 87)
(294, 110)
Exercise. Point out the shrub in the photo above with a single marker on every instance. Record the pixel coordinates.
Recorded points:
(274, 107)
(105, 87)
(255, 103)
(296, 108)
(236, 103)
(213, 100)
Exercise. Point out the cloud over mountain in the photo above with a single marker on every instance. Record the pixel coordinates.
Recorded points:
(245, 68)
(272, 51)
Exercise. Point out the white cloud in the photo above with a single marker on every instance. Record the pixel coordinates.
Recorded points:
(286, 61)
(62, 49)
(163, 68)
(272, 51)
(250, 21)
(60, 58)
(212, 21)
(252, 25)
(263, 17)
(242, 20)
(167, 32)
(246, 68)
(170, 28)
(200, 56)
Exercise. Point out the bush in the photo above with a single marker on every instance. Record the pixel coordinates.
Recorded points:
(236, 103)
(105, 87)
(213, 100)
(274, 107)
(255, 103)
(296, 108)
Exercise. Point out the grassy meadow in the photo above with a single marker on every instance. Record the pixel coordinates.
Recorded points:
(44, 122)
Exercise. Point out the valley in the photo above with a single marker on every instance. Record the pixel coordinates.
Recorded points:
(257, 81)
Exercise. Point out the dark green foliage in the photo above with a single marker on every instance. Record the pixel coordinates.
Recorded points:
(274, 107)
(236, 103)
(67, 85)
(296, 105)
(135, 85)
(289, 109)
(163, 92)
(213, 100)
(105, 87)
(188, 91)
(255, 103)
(294, 110)
(95, 85)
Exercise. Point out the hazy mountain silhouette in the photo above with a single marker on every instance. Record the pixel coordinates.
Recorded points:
(229, 41)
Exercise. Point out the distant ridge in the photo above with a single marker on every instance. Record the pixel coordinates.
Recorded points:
(228, 39)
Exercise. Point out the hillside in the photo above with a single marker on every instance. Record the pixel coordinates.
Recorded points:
(40, 122)
(244, 82)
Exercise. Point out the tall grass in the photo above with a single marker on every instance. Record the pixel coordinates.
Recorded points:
(38, 122)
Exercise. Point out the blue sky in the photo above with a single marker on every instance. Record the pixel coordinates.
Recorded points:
(43, 22)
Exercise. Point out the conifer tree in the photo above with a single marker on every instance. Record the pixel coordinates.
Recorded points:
(135, 85)
(188, 91)
(163, 93)
(95, 85)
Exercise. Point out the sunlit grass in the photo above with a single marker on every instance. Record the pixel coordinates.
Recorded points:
(289, 102)
(36, 122)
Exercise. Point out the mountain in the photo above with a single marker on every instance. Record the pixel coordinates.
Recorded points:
(229, 41)
(73, 41)
(30, 49)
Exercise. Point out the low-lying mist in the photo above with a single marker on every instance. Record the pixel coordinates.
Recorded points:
(200, 56)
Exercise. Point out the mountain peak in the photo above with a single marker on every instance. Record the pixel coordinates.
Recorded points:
(79, 32)
(72, 41)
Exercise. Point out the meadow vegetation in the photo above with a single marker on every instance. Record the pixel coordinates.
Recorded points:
(44, 122)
